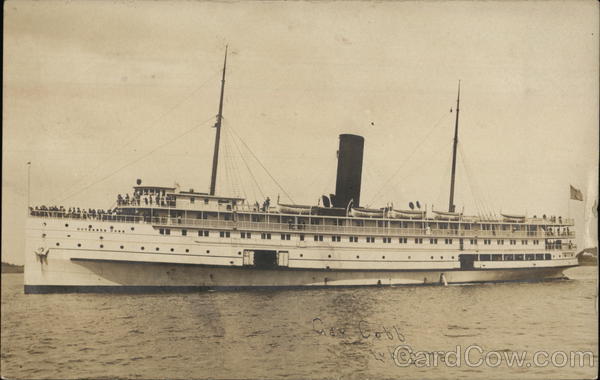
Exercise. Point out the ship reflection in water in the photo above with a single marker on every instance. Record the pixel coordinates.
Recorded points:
(317, 333)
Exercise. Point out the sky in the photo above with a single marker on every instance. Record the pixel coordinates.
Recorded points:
(98, 94)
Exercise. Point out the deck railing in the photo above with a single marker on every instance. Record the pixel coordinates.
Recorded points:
(311, 228)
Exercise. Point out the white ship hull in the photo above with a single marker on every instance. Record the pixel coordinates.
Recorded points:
(71, 260)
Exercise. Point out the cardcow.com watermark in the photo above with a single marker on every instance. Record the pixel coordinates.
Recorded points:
(475, 356)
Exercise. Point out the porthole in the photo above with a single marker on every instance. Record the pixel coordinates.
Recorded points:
(66, 224)
(329, 256)
(187, 250)
(101, 246)
(142, 248)
(79, 244)
(101, 237)
(157, 248)
(358, 257)
(208, 251)
(43, 224)
(57, 244)
(409, 257)
(383, 257)
(442, 257)
(231, 262)
(452, 257)
(239, 253)
(431, 257)
(68, 235)
(172, 250)
(90, 226)
(327, 267)
(132, 228)
(43, 235)
(122, 247)
(301, 255)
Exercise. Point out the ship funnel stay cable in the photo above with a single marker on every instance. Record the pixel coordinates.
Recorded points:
(138, 159)
(261, 164)
(243, 158)
(146, 128)
(409, 157)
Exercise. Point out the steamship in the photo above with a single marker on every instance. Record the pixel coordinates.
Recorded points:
(169, 239)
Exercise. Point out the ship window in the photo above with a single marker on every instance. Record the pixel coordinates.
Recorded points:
(265, 236)
(383, 257)
(496, 257)
(221, 233)
(318, 237)
(67, 225)
(132, 228)
(500, 242)
(329, 256)
(530, 256)
(57, 244)
(206, 201)
(432, 241)
(336, 238)
(161, 231)
(539, 256)
(524, 242)
(509, 257)
(142, 248)
(547, 256)
(513, 242)
(183, 232)
(187, 250)
(101, 246)
(353, 239)
(79, 244)
(484, 257)
(301, 255)
(122, 247)
(285, 236)
(519, 257)
(192, 200)
(431, 257)
(301, 237)
(157, 248)
(167, 231)
(172, 250)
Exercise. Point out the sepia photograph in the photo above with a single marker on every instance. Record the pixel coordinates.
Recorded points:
(300, 189)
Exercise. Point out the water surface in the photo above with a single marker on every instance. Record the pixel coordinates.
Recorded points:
(285, 334)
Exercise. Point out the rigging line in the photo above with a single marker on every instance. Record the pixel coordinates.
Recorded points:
(237, 184)
(135, 134)
(468, 180)
(138, 159)
(485, 201)
(249, 170)
(236, 167)
(263, 166)
(433, 128)
(229, 165)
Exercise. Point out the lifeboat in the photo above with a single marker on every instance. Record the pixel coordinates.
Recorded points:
(294, 209)
(445, 215)
(366, 212)
(404, 214)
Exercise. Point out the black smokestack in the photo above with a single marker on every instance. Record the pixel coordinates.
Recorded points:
(349, 170)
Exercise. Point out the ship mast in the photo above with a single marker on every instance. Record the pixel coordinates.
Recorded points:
(213, 178)
(451, 202)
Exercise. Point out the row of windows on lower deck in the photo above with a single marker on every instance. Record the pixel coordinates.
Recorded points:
(514, 256)
(351, 239)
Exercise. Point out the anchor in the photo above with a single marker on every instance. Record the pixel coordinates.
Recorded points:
(42, 254)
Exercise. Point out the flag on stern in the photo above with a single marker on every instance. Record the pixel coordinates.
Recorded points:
(576, 194)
